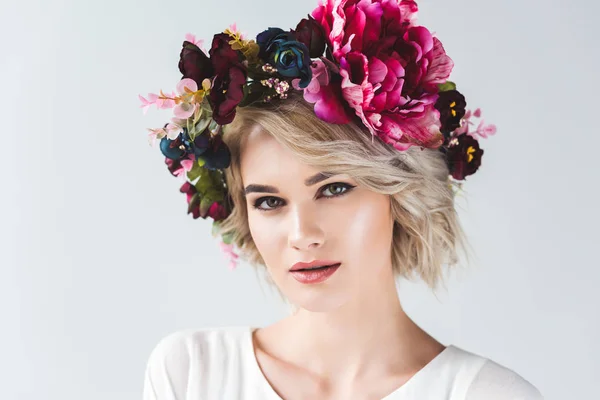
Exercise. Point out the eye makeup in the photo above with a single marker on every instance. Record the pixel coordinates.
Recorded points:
(348, 188)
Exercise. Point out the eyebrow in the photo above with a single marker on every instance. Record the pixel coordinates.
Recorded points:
(313, 180)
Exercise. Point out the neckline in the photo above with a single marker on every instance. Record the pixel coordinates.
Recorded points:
(249, 347)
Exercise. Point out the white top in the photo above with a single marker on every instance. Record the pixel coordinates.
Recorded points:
(219, 363)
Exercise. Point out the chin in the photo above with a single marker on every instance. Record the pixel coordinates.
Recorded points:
(316, 298)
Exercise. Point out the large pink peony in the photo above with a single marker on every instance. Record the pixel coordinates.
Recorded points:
(390, 68)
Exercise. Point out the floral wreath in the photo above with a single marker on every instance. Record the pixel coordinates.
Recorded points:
(367, 59)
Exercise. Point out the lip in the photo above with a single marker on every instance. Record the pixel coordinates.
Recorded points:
(313, 264)
(313, 276)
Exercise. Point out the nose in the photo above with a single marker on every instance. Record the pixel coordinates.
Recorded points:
(306, 230)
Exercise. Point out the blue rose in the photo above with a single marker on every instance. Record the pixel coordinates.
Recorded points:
(284, 52)
(182, 146)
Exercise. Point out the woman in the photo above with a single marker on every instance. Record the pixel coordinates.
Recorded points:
(335, 198)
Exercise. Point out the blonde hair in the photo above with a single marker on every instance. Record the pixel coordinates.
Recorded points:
(427, 233)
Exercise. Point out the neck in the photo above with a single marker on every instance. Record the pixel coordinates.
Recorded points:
(368, 335)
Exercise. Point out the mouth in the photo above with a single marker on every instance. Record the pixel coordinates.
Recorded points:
(318, 268)
(315, 274)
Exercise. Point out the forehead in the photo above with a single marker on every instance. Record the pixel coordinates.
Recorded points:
(264, 158)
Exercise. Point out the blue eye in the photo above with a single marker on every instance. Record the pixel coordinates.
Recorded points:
(339, 189)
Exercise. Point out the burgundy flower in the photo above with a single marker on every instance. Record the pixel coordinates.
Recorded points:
(451, 105)
(217, 211)
(193, 199)
(463, 156)
(222, 55)
(227, 91)
(312, 34)
(194, 64)
(226, 94)
(201, 207)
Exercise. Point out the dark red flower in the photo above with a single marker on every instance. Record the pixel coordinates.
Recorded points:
(202, 208)
(222, 55)
(193, 199)
(217, 211)
(228, 85)
(226, 94)
(463, 156)
(312, 34)
(451, 105)
(194, 64)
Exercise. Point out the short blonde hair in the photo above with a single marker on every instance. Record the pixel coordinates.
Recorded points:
(427, 233)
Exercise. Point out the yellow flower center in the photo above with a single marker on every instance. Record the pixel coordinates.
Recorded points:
(470, 152)
(452, 110)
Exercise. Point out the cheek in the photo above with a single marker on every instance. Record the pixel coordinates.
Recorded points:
(265, 235)
(367, 234)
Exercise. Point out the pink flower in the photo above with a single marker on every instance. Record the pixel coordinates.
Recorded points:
(173, 128)
(180, 168)
(192, 39)
(390, 68)
(156, 134)
(184, 102)
(146, 103)
(329, 106)
(228, 250)
(482, 131)
(186, 88)
(161, 101)
(233, 28)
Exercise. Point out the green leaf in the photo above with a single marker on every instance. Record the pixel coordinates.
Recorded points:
(202, 125)
(196, 197)
(205, 182)
(205, 204)
(446, 86)
(215, 194)
(195, 172)
(216, 227)
(227, 238)
(253, 91)
(217, 178)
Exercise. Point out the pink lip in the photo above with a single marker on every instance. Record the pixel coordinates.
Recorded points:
(313, 264)
(316, 275)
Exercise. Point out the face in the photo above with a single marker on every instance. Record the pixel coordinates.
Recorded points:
(296, 220)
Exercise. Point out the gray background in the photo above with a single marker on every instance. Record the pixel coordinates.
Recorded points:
(99, 260)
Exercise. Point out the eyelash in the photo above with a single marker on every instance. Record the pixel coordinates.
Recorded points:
(348, 187)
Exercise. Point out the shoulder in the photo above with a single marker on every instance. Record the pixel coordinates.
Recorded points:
(182, 343)
(175, 356)
(497, 382)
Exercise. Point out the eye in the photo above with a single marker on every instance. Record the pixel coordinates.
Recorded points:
(337, 185)
(335, 189)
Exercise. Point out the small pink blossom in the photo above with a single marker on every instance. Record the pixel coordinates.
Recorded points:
(228, 250)
(485, 130)
(482, 130)
(161, 101)
(173, 129)
(192, 39)
(186, 166)
(233, 28)
(146, 103)
(156, 134)
(186, 88)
